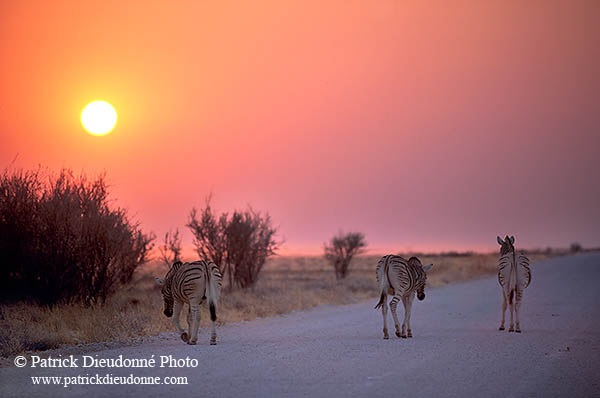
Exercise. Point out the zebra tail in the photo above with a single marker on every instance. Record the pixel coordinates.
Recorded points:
(213, 311)
(382, 271)
(381, 300)
(213, 292)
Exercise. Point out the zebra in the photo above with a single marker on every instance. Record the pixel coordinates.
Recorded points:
(401, 279)
(191, 283)
(514, 275)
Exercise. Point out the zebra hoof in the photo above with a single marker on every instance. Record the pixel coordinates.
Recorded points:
(518, 330)
(386, 337)
(193, 341)
(511, 330)
(184, 336)
(501, 328)
(213, 342)
(398, 334)
(403, 336)
(409, 335)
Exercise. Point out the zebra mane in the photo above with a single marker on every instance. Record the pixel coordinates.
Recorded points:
(414, 261)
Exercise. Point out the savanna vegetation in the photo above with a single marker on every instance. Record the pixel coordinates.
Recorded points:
(286, 284)
(74, 265)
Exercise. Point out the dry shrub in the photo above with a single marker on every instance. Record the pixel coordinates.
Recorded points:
(239, 243)
(575, 247)
(341, 249)
(61, 241)
(170, 248)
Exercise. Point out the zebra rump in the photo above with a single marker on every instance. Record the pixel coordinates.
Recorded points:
(514, 272)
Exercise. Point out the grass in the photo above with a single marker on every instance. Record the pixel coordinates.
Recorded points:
(286, 284)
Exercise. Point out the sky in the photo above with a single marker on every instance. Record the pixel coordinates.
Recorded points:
(427, 126)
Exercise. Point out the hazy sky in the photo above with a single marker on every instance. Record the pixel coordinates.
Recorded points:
(425, 125)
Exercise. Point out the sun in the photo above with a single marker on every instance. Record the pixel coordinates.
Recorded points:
(99, 117)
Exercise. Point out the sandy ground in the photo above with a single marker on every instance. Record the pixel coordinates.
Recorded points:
(339, 351)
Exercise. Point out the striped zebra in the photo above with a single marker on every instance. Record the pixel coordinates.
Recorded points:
(514, 276)
(401, 279)
(191, 283)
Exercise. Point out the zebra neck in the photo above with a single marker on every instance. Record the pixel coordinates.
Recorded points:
(172, 272)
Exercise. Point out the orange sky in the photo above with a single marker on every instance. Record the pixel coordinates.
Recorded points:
(425, 125)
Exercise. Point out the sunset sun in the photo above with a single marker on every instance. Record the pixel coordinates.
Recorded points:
(99, 117)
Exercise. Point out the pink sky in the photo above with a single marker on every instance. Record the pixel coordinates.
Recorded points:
(425, 125)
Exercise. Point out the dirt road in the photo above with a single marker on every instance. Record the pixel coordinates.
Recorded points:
(457, 350)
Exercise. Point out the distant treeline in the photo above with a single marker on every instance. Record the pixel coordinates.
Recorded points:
(574, 248)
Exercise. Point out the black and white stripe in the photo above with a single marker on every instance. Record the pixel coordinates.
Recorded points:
(514, 275)
(401, 279)
(191, 283)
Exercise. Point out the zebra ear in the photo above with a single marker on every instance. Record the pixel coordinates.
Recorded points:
(512, 240)
(500, 241)
(427, 267)
(160, 281)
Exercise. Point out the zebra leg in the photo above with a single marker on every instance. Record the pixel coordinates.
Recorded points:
(518, 296)
(393, 307)
(503, 310)
(511, 327)
(384, 312)
(410, 300)
(176, 312)
(189, 319)
(403, 334)
(195, 323)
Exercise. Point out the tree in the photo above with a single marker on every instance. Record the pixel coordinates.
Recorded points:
(239, 243)
(170, 250)
(341, 249)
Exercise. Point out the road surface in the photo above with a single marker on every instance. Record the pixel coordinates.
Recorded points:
(456, 351)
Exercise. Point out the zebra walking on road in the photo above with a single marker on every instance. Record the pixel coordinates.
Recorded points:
(191, 283)
(514, 276)
(401, 279)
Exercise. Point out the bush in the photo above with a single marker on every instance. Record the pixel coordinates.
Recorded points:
(60, 241)
(575, 247)
(341, 249)
(238, 243)
(170, 250)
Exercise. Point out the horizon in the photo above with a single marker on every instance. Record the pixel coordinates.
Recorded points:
(427, 127)
(189, 252)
